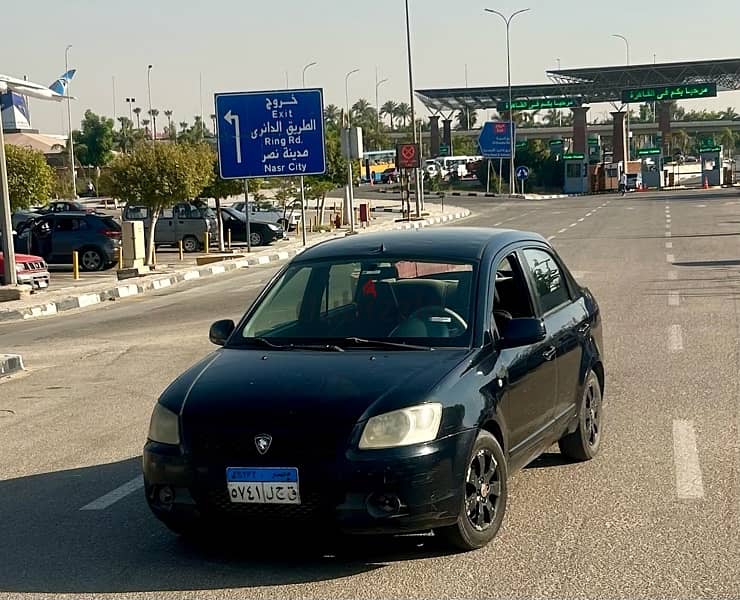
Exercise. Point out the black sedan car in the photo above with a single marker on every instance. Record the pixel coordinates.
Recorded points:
(260, 233)
(384, 383)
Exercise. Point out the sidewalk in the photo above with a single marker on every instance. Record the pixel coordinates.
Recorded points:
(107, 287)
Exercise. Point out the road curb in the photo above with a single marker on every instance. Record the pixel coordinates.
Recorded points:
(154, 283)
(10, 363)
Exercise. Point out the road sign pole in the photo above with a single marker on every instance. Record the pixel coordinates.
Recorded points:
(500, 173)
(6, 224)
(303, 212)
(488, 176)
(246, 215)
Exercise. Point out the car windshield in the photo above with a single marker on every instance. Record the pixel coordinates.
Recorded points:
(398, 300)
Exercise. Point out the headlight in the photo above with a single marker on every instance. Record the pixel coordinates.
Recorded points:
(19, 267)
(403, 427)
(273, 227)
(164, 427)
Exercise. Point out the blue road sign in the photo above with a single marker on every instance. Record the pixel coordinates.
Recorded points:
(271, 134)
(522, 173)
(495, 139)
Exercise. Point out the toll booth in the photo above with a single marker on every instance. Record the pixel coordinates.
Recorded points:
(576, 173)
(651, 167)
(711, 165)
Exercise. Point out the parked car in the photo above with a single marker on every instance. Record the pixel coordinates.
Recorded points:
(384, 383)
(287, 218)
(55, 236)
(391, 175)
(65, 206)
(260, 233)
(30, 270)
(184, 222)
(21, 216)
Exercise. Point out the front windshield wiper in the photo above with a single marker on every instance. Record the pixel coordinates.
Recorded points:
(274, 346)
(385, 344)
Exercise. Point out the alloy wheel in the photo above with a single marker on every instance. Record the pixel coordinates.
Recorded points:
(482, 490)
(592, 411)
(91, 260)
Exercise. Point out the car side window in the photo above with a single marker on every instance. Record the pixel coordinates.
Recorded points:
(512, 299)
(166, 213)
(62, 224)
(549, 283)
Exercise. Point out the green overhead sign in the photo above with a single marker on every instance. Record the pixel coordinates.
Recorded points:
(670, 92)
(648, 152)
(521, 145)
(557, 142)
(710, 149)
(574, 156)
(540, 103)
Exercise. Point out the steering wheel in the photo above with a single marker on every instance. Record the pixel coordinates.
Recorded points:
(436, 315)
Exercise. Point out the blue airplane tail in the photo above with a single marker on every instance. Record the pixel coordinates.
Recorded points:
(60, 85)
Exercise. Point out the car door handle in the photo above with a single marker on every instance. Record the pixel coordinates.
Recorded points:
(550, 353)
(584, 329)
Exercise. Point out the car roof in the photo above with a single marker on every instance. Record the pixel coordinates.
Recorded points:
(448, 243)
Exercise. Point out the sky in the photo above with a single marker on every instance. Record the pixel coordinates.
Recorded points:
(240, 45)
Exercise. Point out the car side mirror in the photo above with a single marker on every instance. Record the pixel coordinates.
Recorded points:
(521, 332)
(220, 331)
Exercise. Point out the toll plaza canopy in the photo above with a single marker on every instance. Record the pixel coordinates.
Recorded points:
(590, 85)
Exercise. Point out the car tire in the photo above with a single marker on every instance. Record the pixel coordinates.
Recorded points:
(255, 238)
(190, 244)
(480, 519)
(584, 443)
(92, 259)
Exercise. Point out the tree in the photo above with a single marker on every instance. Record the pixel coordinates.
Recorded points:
(316, 189)
(389, 110)
(94, 141)
(30, 179)
(125, 137)
(403, 113)
(159, 176)
(137, 112)
(145, 123)
(219, 189)
(466, 119)
(727, 139)
(168, 114)
(154, 113)
(552, 117)
(332, 114)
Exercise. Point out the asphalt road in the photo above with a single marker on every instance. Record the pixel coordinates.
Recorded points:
(657, 514)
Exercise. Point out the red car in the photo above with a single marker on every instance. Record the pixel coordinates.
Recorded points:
(31, 270)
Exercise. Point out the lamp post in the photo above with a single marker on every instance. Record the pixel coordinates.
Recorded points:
(306, 68)
(378, 83)
(69, 123)
(560, 112)
(130, 102)
(149, 88)
(350, 212)
(417, 176)
(629, 141)
(508, 21)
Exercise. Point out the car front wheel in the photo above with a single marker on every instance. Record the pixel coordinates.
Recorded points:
(485, 490)
(584, 442)
(91, 259)
(190, 243)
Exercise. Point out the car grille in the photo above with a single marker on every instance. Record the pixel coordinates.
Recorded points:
(34, 266)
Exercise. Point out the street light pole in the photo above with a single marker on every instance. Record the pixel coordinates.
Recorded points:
(149, 89)
(378, 83)
(417, 175)
(10, 277)
(69, 122)
(350, 212)
(130, 102)
(306, 68)
(560, 112)
(508, 21)
(629, 141)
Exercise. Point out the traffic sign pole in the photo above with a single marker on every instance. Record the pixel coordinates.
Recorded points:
(303, 212)
(246, 215)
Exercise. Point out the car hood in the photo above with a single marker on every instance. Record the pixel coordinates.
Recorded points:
(254, 391)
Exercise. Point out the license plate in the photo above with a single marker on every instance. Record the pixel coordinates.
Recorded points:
(43, 284)
(263, 485)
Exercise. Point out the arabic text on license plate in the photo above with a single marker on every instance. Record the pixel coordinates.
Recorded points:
(261, 485)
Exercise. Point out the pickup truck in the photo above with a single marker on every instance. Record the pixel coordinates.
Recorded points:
(30, 270)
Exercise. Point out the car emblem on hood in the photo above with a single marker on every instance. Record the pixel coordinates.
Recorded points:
(263, 442)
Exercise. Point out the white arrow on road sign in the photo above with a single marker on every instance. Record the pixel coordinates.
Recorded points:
(522, 173)
(234, 120)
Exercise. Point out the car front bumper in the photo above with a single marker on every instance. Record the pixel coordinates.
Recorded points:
(385, 491)
(39, 280)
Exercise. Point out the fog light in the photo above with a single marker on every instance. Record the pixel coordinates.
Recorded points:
(166, 495)
(383, 505)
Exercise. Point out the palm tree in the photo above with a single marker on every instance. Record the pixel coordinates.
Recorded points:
(137, 112)
(552, 117)
(361, 109)
(730, 113)
(154, 113)
(389, 110)
(332, 114)
(145, 123)
(125, 135)
(168, 114)
(466, 119)
(403, 113)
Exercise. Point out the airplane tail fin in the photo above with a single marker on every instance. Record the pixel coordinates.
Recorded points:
(60, 85)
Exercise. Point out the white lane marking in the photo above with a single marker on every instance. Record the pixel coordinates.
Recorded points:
(112, 497)
(495, 224)
(672, 275)
(689, 485)
(670, 258)
(589, 214)
(673, 299)
(572, 224)
(675, 338)
(701, 206)
(563, 230)
(667, 225)
(552, 237)
(668, 220)
(580, 220)
(669, 245)
(668, 234)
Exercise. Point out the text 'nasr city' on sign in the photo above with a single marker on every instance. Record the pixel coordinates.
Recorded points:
(270, 134)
